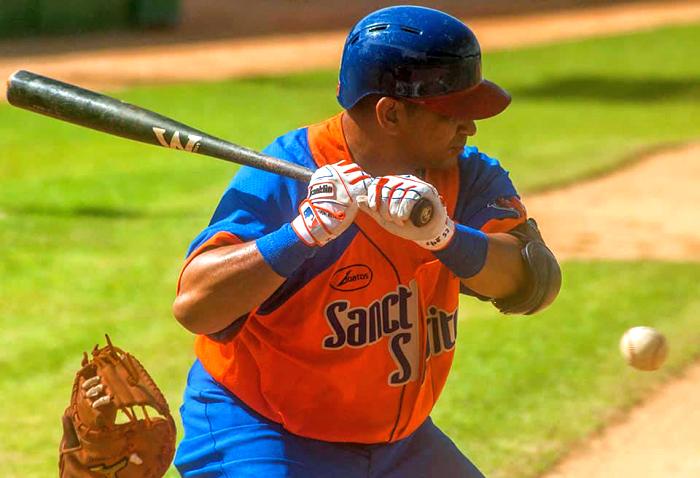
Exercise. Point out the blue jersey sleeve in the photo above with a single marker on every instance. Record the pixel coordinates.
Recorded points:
(257, 202)
(487, 199)
(487, 196)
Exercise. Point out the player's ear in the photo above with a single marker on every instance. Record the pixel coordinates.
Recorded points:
(390, 114)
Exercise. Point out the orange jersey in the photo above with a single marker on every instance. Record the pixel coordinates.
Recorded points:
(357, 344)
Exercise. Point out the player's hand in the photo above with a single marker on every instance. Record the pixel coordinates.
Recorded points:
(95, 392)
(330, 205)
(390, 201)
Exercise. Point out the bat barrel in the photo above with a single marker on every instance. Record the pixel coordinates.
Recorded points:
(83, 107)
(92, 110)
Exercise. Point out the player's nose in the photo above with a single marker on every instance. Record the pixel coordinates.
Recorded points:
(467, 127)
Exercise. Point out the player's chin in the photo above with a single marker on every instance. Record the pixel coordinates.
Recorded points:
(455, 151)
(452, 155)
(444, 159)
(445, 162)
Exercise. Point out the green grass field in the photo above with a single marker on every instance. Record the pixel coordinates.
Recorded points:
(93, 230)
(525, 388)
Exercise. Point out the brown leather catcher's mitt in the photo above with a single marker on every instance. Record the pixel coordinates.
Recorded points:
(118, 424)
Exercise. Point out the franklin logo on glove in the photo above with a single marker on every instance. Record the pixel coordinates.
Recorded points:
(322, 190)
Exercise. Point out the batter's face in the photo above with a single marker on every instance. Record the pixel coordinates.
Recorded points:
(430, 140)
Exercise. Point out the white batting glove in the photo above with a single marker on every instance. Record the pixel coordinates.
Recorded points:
(330, 205)
(390, 201)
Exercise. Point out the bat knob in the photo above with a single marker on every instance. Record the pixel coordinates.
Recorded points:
(422, 212)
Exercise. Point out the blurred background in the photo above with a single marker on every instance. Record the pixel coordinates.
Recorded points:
(602, 140)
(198, 19)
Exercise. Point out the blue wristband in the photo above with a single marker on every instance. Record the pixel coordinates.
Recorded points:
(465, 254)
(284, 251)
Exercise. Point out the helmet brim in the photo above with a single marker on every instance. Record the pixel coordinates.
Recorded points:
(482, 101)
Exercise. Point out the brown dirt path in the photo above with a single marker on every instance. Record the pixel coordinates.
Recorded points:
(647, 210)
(212, 60)
(659, 439)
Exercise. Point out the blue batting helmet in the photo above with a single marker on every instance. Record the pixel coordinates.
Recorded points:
(422, 55)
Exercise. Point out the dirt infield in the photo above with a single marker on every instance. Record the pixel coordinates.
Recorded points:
(626, 211)
(657, 440)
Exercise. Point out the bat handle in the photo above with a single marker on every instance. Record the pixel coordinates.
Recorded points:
(422, 212)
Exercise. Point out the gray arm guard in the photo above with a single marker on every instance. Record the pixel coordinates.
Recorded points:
(543, 275)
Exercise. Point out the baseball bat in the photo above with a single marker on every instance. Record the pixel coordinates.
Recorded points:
(83, 107)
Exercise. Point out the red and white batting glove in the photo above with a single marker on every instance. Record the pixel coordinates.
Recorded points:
(330, 205)
(390, 201)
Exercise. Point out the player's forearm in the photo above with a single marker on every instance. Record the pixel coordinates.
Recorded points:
(503, 273)
(222, 284)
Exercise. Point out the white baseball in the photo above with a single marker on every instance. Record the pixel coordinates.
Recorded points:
(644, 348)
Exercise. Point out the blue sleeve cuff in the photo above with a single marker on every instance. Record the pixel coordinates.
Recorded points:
(465, 254)
(284, 251)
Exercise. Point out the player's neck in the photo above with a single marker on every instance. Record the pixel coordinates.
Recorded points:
(377, 155)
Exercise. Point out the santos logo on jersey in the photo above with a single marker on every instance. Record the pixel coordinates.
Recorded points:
(394, 316)
(350, 278)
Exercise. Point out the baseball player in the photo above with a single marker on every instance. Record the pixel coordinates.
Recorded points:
(326, 321)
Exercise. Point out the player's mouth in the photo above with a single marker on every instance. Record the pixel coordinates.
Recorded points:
(458, 146)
